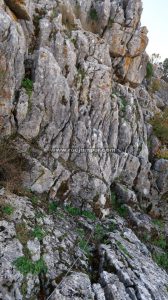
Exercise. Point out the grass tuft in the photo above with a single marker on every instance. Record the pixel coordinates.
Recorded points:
(38, 233)
(25, 266)
(8, 210)
(28, 85)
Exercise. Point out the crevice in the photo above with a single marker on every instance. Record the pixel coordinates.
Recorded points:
(14, 111)
(95, 266)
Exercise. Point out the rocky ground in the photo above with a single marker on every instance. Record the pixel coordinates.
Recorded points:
(69, 254)
(77, 224)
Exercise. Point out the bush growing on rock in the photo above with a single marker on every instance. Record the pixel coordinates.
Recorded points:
(161, 259)
(149, 70)
(93, 14)
(38, 233)
(26, 266)
(28, 85)
(160, 126)
(8, 210)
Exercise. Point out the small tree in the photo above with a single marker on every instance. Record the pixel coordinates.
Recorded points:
(149, 70)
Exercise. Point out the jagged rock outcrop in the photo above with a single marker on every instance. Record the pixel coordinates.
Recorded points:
(75, 120)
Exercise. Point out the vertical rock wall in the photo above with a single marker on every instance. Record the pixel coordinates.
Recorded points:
(84, 62)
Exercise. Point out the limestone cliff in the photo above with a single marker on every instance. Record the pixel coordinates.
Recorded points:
(76, 136)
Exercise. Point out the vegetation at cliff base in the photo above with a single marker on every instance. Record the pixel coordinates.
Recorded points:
(160, 126)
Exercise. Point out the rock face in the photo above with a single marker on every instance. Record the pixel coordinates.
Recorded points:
(12, 51)
(74, 101)
(74, 116)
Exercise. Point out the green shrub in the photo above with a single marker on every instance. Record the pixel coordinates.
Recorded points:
(99, 232)
(149, 70)
(160, 126)
(34, 199)
(25, 266)
(52, 207)
(84, 247)
(75, 211)
(28, 85)
(122, 211)
(111, 226)
(160, 242)
(158, 223)
(161, 259)
(82, 243)
(123, 104)
(93, 14)
(7, 209)
(88, 214)
(38, 233)
(39, 267)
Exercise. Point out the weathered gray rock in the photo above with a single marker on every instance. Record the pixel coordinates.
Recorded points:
(125, 195)
(135, 277)
(12, 51)
(161, 173)
(75, 286)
